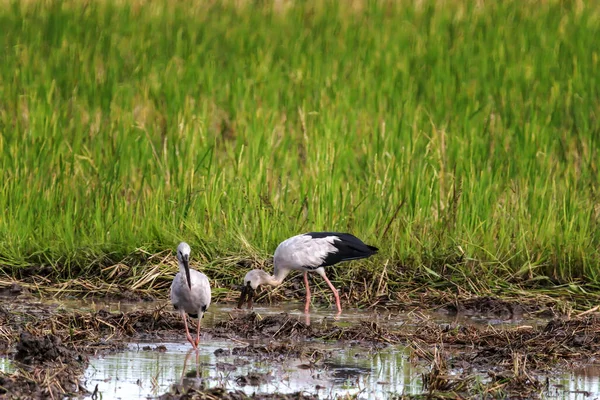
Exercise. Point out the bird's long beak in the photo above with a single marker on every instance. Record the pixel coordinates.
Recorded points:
(247, 295)
(250, 296)
(186, 266)
(243, 295)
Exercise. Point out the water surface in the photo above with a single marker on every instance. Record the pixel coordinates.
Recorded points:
(142, 371)
(138, 374)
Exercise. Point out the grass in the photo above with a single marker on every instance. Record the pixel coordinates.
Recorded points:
(459, 137)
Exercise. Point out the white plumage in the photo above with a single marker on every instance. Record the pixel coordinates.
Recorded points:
(308, 252)
(303, 252)
(190, 292)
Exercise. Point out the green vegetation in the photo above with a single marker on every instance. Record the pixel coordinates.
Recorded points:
(460, 137)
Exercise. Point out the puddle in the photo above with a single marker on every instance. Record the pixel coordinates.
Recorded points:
(480, 321)
(6, 365)
(108, 305)
(146, 374)
(139, 374)
(582, 383)
(346, 369)
(219, 312)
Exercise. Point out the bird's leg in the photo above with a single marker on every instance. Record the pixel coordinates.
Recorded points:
(335, 293)
(307, 319)
(198, 330)
(187, 331)
(307, 305)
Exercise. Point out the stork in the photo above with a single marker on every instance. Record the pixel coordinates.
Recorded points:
(190, 292)
(309, 252)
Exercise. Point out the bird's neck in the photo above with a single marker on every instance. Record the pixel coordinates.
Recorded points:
(278, 276)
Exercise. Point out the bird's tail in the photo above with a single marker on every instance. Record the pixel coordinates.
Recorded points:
(373, 249)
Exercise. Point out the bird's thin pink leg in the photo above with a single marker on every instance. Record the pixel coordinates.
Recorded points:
(307, 305)
(335, 293)
(187, 331)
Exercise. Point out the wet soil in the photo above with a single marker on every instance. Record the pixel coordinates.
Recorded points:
(415, 296)
(560, 339)
(220, 393)
(51, 346)
(486, 306)
(253, 326)
(45, 369)
(276, 351)
(253, 379)
(490, 307)
(48, 348)
(508, 357)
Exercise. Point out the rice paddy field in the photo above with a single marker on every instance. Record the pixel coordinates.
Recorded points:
(460, 137)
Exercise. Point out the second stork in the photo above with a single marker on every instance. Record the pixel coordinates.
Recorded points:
(309, 252)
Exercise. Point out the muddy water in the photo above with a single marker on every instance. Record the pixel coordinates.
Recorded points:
(139, 373)
(218, 312)
(5, 364)
(147, 370)
(582, 383)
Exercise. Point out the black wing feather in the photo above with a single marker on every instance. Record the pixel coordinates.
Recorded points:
(349, 247)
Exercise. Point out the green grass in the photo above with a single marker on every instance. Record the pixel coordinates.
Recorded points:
(461, 138)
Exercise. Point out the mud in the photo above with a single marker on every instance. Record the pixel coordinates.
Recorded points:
(220, 393)
(276, 351)
(509, 357)
(45, 369)
(51, 346)
(160, 349)
(253, 379)
(125, 294)
(41, 383)
(560, 340)
(86, 330)
(486, 306)
(253, 326)
(12, 290)
(490, 307)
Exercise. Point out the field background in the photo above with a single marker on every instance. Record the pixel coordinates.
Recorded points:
(460, 137)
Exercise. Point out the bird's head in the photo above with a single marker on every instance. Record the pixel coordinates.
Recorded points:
(183, 256)
(252, 280)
